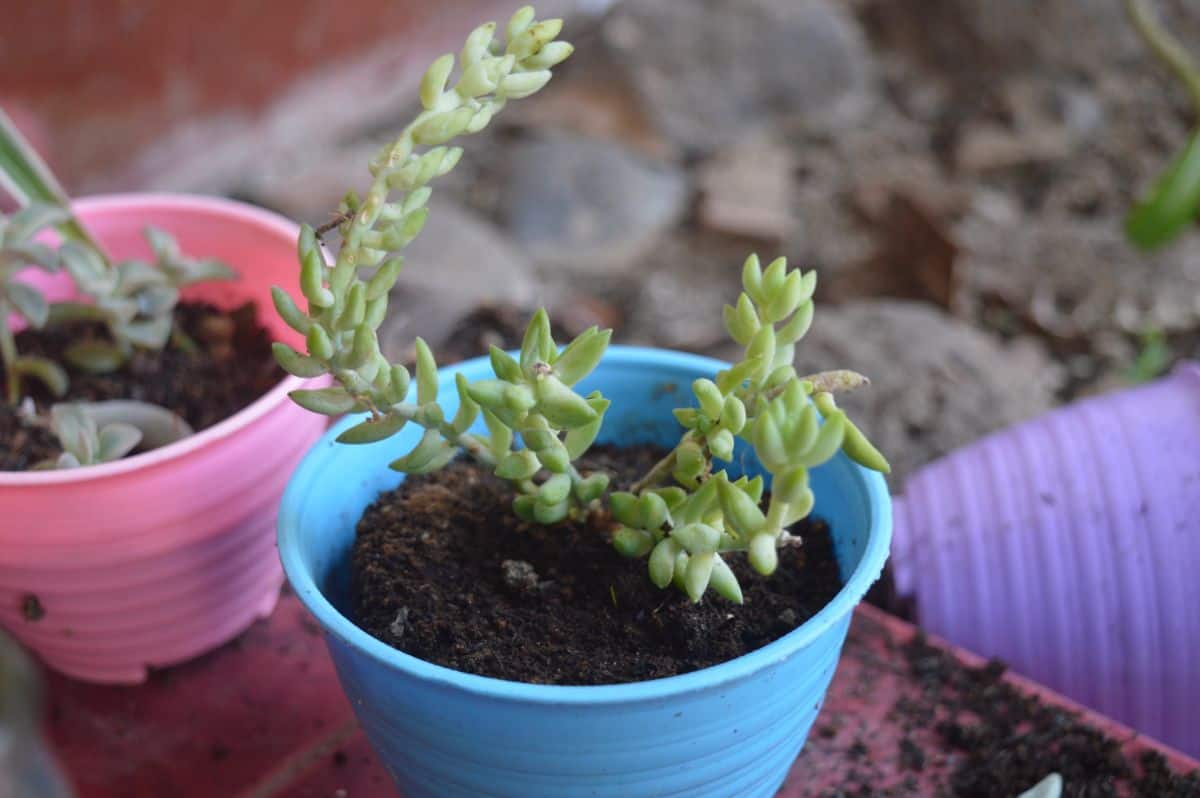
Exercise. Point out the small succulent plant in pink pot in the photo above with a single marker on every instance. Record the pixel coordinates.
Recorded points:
(121, 557)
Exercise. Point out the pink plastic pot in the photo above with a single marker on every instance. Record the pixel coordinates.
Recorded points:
(1070, 547)
(160, 557)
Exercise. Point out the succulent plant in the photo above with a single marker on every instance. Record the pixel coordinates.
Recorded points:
(134, 299)
(18, 251)
(685, 529)
(91, 433)
(84, 442)
(792, 423)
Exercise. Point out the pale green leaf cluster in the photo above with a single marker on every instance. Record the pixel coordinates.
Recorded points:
(532, 397)
(18, 251)
(85, 442)
(792, 423)
(134, 299)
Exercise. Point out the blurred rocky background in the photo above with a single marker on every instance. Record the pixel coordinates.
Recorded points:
(956, 170)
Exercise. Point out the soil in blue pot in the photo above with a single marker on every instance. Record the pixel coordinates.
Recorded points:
(443, 570)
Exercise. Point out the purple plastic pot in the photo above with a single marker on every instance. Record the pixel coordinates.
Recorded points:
(1069, 546)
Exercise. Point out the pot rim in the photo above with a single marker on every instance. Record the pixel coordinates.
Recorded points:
(237, 212)
(873, 487)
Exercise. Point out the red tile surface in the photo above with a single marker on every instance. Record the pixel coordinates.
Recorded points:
(264, 718)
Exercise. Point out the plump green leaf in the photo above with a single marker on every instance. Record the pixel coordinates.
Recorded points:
(523, 505)
(630, 542)
(428, 450)
(295, 363)
(752, 278)
(32, 253)
(560, 405)
(827, 443)
(740, 510)
(555, 458)
(374, 429)
(326, 401)
(624, 507)
(699, 570)
(731, 378)
(538, 343)
(773, 278)
(710, 397)
(862, 451)
(355, 310)
(519, 465)
(427, 384)
(149, 333)
(762, 554)
(1173, 203)
(519, 22)
(468, 409)
(500, 437)
(697, 538)
(117, 440)
(550, 513)
(384, 278)
(44, 370)
(790, 485)
(94, 356)
(591, 488)
(504, 366)
(724, 582)
(652, 511)
(156, 300)
(733, 414)
(29, 302)
(720, 443)
(662, 562)
(76, 431)
(797, 326)
(555, 490)
(580, 439)
(319, 344)
(582, 355)
(433, 83)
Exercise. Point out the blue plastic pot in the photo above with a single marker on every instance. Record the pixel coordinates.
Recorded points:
(729, 731)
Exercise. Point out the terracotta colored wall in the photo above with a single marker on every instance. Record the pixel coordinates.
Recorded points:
(133, 93)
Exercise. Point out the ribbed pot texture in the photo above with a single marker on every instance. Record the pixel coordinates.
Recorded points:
(729, 730)
(1070, 547)
(162, 556)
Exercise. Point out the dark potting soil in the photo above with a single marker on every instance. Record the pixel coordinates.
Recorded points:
(1008, 741)
(231, 367)
(443, 570)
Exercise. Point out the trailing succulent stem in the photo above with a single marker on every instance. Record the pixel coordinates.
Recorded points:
(530, 398)
(686, 516)
(134, 299)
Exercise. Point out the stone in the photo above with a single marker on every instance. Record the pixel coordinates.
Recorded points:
(686, 283)
(937, 382)
(458, 262)
(587, 206)
(747, 190)
(1075, 278)
(711, 70)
